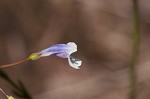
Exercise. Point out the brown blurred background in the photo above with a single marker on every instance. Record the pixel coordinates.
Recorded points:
(100, 28)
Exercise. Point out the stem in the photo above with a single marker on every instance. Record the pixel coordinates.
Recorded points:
(135, 42)
(12, 64)
(3, 92)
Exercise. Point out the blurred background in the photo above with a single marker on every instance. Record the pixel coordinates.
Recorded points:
(101, 29)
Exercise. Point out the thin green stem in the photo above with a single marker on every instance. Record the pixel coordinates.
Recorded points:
(135, 42)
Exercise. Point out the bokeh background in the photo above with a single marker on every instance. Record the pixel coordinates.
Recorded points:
(101, 29)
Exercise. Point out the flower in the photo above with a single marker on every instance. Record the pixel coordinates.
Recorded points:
(62, 51)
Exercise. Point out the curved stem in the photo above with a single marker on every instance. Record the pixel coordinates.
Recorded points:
(12, 64)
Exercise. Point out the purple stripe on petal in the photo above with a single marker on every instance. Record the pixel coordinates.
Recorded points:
(58, 48)
(62, 55)
(68, 48)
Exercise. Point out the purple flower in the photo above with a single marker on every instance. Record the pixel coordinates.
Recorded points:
(63, 51)
(60, 50)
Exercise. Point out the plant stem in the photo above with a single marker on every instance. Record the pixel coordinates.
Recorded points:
(12, 64)
(135, 43)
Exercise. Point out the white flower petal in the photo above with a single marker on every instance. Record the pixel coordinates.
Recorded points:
(73, 47)
(72, 44)
(74, 62)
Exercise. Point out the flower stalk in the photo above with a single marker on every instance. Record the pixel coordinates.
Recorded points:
(135, 50)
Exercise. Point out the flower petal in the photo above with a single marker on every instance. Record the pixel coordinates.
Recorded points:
(63, 55)
(74, 62)
(68, 48)
(57, 48)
